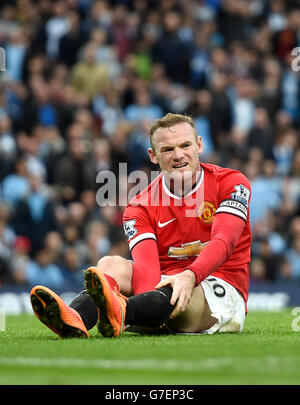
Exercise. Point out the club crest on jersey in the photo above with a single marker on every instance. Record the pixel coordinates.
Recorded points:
(241, 194)
(129, 228)
(206, 212)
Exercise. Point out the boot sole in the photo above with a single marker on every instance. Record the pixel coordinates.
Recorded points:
(48, 312)
(96, 291)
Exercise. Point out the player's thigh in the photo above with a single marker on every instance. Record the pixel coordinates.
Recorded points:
(120, 269)
(216, 297)
(227, 305)
(196, 317)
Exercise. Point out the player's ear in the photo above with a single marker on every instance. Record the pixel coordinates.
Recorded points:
(200, 145)
(152, 156)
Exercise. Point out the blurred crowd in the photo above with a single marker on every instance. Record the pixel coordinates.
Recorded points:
(83, 80)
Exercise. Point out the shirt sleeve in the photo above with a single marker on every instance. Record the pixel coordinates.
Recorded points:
(143, 246)
(226, 232)
(234, 193)
(146, 267)
(137, 225)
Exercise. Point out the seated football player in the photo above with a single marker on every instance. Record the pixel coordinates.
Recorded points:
(189, 236)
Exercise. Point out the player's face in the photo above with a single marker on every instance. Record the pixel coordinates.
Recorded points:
(176, 150)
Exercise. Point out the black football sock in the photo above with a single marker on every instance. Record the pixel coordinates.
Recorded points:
(86, 308)
(152, 308)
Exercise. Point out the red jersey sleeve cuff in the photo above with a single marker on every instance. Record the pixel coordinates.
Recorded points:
(197, 274)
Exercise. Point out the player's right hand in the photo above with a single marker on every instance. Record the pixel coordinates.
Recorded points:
(183, 285)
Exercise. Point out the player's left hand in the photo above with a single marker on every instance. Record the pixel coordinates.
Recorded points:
(183, 285)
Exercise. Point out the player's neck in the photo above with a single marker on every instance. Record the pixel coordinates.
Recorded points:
(185, 186)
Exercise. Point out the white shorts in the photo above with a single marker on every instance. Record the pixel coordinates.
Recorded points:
(226, 305)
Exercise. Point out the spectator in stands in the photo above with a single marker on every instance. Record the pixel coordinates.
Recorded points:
(108, 110)
(88, 76)
(138, 145)
(71, 41)
(266, 190)
(53, 243)
(74, 239)
(34, 213)
(200, 60)
(292, 257)
(169, 45)
(8, 145)
(97, 238)
(16, 185)
(15, 54)
(57, 26)
(105, 53)
(142, 108)
(72, 271)
(20, 259)
(73, 171)
(221, 110)
(261, 134)
(203, 117)
(121, 31)
(42, 270)
(284, 146)
(7, 240)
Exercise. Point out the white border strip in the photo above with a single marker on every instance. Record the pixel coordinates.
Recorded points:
(231, 210)
(147, 235)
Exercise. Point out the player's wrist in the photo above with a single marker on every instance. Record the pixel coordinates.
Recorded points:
(190, 273)
(196, 274)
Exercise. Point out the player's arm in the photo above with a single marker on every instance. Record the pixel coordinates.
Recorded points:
(226, 231)
(230, 219)
(143, 247)
(146, 267)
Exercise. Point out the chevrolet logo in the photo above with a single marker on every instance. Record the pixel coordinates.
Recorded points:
(187, 249)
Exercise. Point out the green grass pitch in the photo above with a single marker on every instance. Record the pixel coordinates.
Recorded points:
(266, 353)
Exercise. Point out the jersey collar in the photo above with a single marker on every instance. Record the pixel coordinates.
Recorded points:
(196, 187)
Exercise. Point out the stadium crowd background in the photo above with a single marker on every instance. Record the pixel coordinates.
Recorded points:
(83, 80)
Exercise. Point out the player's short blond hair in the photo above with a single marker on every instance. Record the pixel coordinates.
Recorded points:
(170, 120)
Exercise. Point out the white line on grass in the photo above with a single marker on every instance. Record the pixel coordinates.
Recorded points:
(241, 365)
(142, 364)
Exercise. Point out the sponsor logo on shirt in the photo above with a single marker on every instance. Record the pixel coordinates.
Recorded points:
(186, 249)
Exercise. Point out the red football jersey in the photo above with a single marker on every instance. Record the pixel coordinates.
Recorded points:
(182, 226)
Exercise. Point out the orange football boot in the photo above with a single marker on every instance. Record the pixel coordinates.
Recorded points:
(50, 309)
(111, 304)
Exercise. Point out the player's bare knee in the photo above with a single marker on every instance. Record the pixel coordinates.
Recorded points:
(120, 269)
(108, 262)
